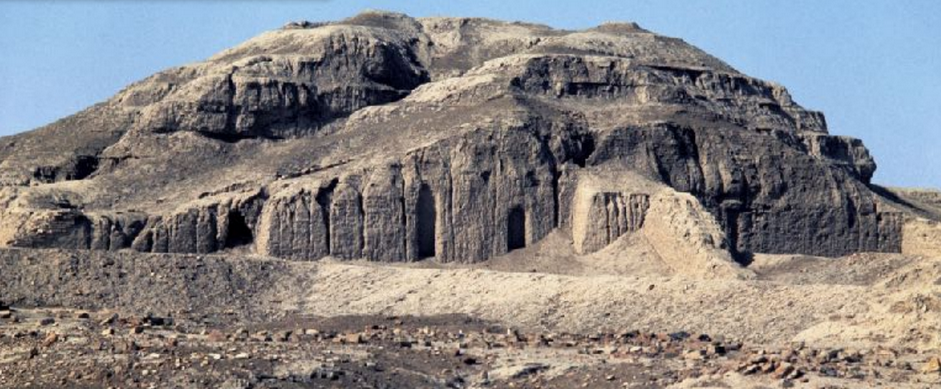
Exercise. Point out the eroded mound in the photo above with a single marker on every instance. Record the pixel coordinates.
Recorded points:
(389, 138)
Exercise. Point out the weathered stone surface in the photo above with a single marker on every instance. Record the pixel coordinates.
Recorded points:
(770, 195)
(600, 218)
(204, 227)
(388, 138)
(477, 199)
(688, 238)
(384, 219)
(346, 222)
(256, 94)
(295, 223)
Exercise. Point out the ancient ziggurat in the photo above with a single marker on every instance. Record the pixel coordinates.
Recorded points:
(388, 138)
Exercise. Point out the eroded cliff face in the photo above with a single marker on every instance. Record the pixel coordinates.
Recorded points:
(291, 94)
(388, 138)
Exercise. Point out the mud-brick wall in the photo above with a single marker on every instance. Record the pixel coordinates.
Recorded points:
(464, 200)
(600, 218)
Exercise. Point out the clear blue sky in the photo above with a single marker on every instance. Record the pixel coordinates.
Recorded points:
(874, 67)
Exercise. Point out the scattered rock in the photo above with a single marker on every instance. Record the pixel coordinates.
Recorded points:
(785, 370)
(715, 350)
(157, 321)
(327, 373)
(696, 355)
(932, 366)
(109, 320)
(519, 371)
(261, 336)
(353, 339)
(50, 339)
(216, 336)
(283, 336)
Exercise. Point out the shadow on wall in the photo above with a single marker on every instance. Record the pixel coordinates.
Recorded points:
(516, 229)
(239, 234)
(427, 216)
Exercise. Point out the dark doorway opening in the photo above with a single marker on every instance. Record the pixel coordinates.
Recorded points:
(239, 234)
(426, 215)
(516, 229)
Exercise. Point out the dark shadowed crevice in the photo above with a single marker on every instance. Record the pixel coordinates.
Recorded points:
(238, 233)
(744, 258)
(325, 199)
(556, 199)
(425, 228)
(45, 174)
(516, 229)
(739, 254)
(84, 166)
(78, 167)
(361, 231)
(587, 149)
(229, 137)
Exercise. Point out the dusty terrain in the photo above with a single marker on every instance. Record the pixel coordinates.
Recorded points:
(93, 319)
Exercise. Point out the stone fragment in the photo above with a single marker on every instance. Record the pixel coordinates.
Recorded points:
(261, 336)
(932, 366)
(283, 336)
(50, 339)
(216, 336)
(108, 320)
(353, 339)
(695, 355)
(783, 371)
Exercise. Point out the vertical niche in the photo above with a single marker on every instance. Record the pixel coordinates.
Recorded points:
(238, 233)
(426, 215)
(516, 229)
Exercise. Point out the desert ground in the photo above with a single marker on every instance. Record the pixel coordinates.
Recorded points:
(534, 319)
